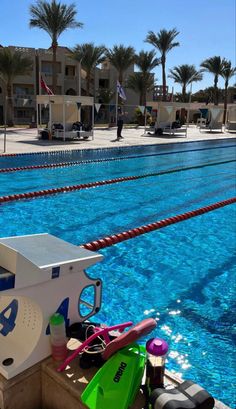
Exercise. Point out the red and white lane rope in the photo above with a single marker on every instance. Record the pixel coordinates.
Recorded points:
(130, 234)
(85, 162)
(53, 191)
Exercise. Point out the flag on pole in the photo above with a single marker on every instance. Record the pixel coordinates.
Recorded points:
(45, 87)
(120, 90)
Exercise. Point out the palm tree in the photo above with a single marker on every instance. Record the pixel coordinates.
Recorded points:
(227, 72)
(184, 75)
(121, 58)
(89, 56)
(164, 42)
(54, 18)
(214, 65)
(141, 82)
(12, 64)
(146, 60)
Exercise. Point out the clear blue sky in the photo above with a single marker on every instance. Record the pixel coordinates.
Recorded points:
(207, 28)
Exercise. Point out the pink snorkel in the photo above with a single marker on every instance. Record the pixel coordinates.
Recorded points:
(139, 330)
(97, 333)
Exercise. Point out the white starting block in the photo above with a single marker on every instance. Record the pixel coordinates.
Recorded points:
(39, 275)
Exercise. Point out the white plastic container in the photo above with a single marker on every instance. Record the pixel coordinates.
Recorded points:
(58, 337)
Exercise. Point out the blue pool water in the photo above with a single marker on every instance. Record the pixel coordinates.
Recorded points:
(182, 275)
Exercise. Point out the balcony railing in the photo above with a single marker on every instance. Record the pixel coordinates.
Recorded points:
(23, 101)
(70, 77)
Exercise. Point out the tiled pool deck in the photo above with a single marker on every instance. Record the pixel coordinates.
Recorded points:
(25, 140)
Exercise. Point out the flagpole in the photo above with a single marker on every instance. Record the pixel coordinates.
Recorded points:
(116, 104)
(79, 78)
(39, 107)
(64, 118)
(190, 96)
(50, 118)
(37, 116)
(39, 83)
(93, 122)
(145, 120)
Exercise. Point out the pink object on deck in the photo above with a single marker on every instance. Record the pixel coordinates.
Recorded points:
(134, 333)
(98, 332)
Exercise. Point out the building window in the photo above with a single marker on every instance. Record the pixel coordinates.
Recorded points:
(46, 68)
(23, 113)
(70, 70)
(103, 83)
(21, 90)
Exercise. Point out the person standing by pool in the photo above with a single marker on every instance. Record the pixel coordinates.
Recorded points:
(120, 123)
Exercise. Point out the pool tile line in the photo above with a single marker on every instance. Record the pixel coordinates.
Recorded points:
(82, 162)
(53, 191)
(137, 231)
(121, 148)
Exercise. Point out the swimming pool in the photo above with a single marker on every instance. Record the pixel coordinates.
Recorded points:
(181, 275)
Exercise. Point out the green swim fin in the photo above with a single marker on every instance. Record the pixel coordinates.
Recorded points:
(116, 384)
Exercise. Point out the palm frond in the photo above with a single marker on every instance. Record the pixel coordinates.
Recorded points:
(121, 57)
(13, 64)
(163, 40)
(89, 55)
(54, 18)
(146, 60)
(185, 74)
(213, 65)
(227, 70)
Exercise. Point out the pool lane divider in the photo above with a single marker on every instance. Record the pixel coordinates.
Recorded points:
(138, 231)
(60, 165)
(56, 152)
(64, 189)
(83, 162)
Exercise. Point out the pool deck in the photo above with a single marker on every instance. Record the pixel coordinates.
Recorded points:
(25, 140)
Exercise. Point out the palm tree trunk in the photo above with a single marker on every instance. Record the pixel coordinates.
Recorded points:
(121, 83)
(163, 64)
(144, 96)
(184, 92)
(216, 97)
(54, 67)
(140, 99)
(225, 101)
(87, 83)
(9, 106)
(87, 109)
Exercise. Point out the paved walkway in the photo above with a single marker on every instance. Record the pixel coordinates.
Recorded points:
(25, 140)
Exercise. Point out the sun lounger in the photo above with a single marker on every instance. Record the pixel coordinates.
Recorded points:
(175, 131)
(230, 126)
(201, 122)
(212, 126)
(72, 132)
(215, 120)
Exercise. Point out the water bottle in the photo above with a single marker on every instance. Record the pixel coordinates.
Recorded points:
(58, 337)
(156, 354)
